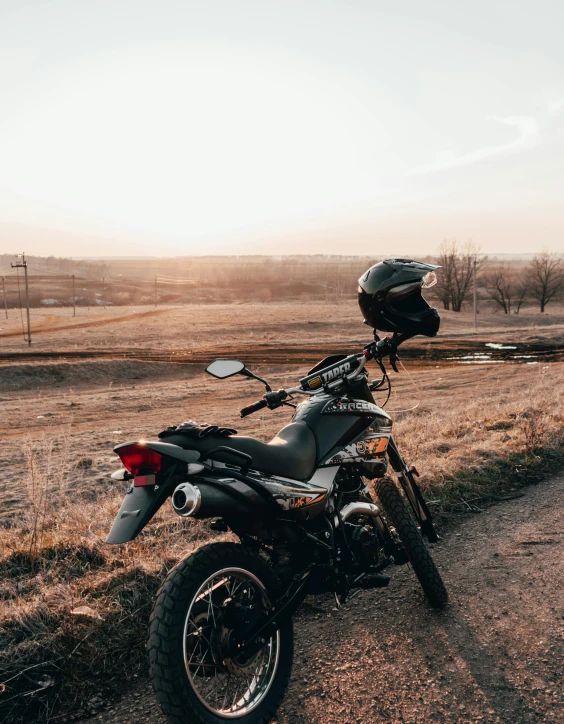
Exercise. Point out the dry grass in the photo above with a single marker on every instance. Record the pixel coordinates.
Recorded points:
(475, 450)
(53, 560)
(53, 563)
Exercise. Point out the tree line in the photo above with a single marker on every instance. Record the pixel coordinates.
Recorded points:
(506, 285)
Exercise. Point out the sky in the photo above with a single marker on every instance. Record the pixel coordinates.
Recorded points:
(184, 127)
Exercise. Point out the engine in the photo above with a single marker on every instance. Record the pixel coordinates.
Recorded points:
(364, 544)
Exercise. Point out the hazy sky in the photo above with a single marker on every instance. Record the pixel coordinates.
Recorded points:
(182, 127)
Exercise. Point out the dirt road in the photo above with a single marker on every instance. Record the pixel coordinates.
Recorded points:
(496, 654)
(55, 323)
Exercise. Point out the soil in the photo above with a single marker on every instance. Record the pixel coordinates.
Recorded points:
(108, 376)
(85, 409)
(495, 655)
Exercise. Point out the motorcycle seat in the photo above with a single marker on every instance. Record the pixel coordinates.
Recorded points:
(290, 454)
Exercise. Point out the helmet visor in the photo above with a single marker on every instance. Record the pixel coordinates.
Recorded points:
(429, 280)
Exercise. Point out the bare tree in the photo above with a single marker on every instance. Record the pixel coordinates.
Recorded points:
(521, 291)
(445, 278)
(507, 288)
(546, 273)
(499, 286)
(455, 279)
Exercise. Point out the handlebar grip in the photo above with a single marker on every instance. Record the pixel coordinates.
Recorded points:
(253, 408)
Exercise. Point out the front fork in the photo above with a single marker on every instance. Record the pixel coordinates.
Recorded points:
(406, 475)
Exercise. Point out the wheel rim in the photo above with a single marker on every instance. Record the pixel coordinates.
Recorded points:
(227, 687)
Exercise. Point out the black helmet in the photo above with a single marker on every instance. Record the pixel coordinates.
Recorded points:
(389, 295)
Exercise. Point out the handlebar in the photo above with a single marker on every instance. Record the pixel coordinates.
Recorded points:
(384, 348)
(253, 408)
(272, 400)
(313, 383)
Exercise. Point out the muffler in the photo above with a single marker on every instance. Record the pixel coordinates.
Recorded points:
(209, 499)
(186, 500)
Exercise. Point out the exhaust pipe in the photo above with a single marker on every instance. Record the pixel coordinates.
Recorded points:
(369, 509)
(209, 499)
(186, 500)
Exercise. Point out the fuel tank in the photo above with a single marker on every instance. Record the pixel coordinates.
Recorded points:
(337, 421)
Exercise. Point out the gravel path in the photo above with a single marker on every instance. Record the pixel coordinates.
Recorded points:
(495, 655)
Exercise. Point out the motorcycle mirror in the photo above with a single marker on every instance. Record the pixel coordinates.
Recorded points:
(223, 368)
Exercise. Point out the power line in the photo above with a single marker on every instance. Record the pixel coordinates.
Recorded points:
(20, 303)
(4, 294)
(18, 265)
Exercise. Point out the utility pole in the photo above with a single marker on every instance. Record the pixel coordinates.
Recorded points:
(156, 302)
(73, 299)
(19, 265)
(4, 293)
(475, 299)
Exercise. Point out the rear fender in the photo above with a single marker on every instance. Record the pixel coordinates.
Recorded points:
(138, 507)
(141, 503)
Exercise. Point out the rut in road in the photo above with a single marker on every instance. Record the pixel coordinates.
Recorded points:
(269, 354)
(495, 655)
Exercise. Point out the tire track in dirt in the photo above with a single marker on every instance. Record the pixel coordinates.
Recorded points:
(495, 656)
(51, 324)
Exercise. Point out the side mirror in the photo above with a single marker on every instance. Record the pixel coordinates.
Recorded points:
(222, 368)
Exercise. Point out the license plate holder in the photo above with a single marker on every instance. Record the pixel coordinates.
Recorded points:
(142, 481)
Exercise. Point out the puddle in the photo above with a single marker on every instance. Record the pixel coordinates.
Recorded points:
(496, 345)
(476, 358)
(483, 361)
(497, 356)
(473, 356)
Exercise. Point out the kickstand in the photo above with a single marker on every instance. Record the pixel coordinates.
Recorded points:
(354, 593)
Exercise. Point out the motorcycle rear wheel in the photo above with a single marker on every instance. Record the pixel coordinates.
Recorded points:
(399, 516)
(195, 677)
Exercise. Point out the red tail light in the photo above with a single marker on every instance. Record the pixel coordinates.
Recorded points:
(139, 459)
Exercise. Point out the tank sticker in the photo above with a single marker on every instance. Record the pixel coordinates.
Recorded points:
(356, 407)
(368, 449)
(372, 446)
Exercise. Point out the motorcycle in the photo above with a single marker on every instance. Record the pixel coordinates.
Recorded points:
(221, 634)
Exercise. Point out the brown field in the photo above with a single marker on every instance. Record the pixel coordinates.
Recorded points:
(107, 376)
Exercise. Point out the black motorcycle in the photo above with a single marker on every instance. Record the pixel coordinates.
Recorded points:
(221, 635)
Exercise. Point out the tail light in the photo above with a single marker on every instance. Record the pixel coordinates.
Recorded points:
(139, 459)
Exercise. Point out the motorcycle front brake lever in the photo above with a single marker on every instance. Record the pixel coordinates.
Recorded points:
(290, 404)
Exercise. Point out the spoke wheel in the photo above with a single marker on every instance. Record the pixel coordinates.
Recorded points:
(197, 672)
(225, 683)
(399, 515)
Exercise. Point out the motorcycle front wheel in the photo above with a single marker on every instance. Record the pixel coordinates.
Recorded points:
(398, 514)
(202, 602)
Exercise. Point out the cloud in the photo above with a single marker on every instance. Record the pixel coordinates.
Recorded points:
(555, 106)
(529, 131)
